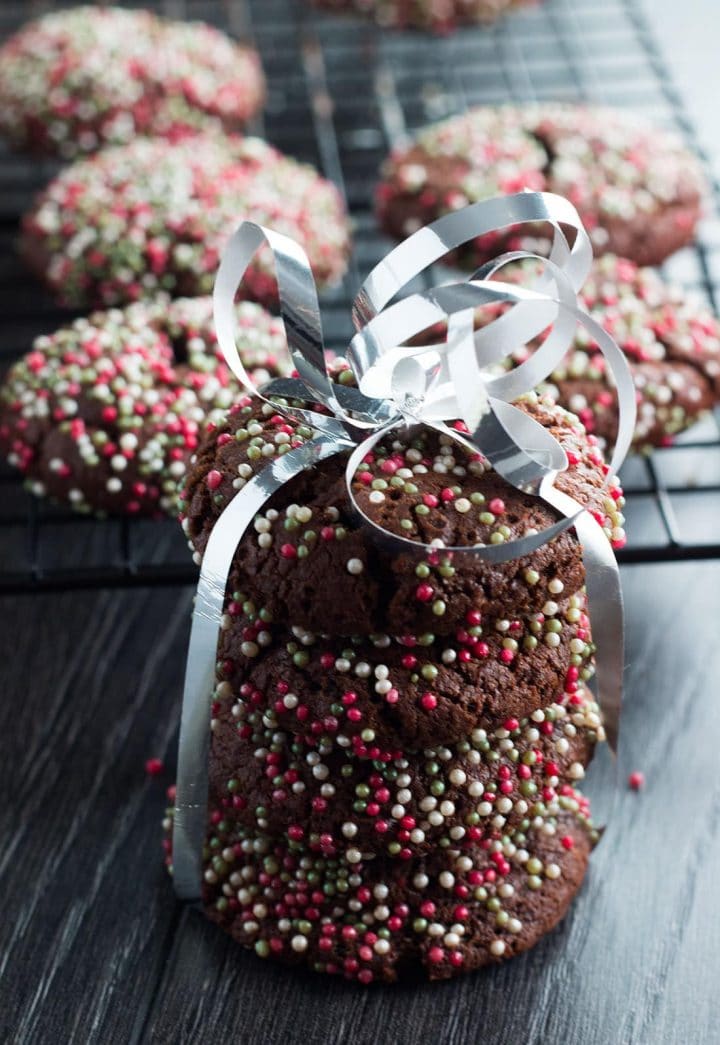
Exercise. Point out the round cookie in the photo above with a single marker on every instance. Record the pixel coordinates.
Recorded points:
(671, 340)
(308, 563)
(637, 188)
(395, 803)
(383, 920)
(440, 16)
(73, 81)
(155, 215)
(105, 413)
(385, 694)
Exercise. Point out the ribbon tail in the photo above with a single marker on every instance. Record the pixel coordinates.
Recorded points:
(190, 820)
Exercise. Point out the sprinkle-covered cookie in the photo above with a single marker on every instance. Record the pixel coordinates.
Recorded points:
(306, 561)
(637, 188)
(383, 694)
(440, 16)
(671, 340)
(105, 413)
(339, 796)
(76, 80)
(386, 919)
(155, 216)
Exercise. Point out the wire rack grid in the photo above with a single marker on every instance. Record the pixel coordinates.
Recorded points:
(342, 93)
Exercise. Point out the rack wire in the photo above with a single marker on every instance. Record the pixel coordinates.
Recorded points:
(342, 93)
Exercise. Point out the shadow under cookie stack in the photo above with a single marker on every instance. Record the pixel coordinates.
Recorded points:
(397, 740)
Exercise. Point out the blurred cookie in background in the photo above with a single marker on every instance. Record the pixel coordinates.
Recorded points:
(154, 215)
(75, 80)
(439, 16)
(637, 188)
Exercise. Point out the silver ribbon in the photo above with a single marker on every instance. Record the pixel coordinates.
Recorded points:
(400, 385)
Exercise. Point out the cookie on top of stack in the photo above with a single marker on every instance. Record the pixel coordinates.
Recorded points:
(397, 739)
(73, 81)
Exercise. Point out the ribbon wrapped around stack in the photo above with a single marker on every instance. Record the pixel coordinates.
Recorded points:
(399, 385)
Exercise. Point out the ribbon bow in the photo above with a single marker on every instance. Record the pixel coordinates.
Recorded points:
(400, 385)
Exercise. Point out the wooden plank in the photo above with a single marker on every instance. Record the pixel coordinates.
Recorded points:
(91, 690)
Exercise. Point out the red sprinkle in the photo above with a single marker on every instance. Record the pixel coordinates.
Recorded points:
(636, 780)
(154, 766)
(214, 478)
(424, 592)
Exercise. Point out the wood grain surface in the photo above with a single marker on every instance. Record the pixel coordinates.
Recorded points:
(94, 949)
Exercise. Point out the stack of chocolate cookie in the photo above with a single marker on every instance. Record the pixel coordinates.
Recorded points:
(397, 739)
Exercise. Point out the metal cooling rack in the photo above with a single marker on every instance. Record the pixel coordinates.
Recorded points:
(341, 94)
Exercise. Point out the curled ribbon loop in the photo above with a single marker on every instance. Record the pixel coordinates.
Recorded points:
(401, 384)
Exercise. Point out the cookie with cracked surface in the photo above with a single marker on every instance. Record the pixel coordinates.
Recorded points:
(637, 188)
(337, 796)
(105, 413)
(672, 343)
(308, 562)
(383, 693)
(670, 337)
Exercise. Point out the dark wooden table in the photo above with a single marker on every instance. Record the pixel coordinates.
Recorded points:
(94, 948)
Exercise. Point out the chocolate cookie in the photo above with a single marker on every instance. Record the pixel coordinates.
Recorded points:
(637, 188)
(338, 796)
(382, 920)
(75, 80)
(671, 340)
(385, 694)
(106, 413)
(440, 16)
(155, 215)
(308, 563)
